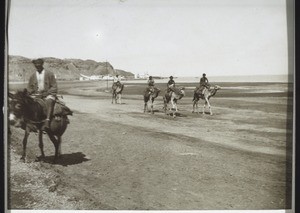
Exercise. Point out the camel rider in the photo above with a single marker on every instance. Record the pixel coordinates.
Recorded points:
(203, 83)
(170, 84)
(43, 84)
(150, 84)
(117, 80)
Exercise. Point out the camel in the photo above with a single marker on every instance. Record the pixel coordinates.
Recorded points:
(173, 96)
(205, 95)
(150, 94)
(117, 89)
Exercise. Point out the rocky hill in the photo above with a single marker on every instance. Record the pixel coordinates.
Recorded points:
(20, 68)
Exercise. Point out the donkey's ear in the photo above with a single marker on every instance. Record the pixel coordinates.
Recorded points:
(25, 91)
(10, 95)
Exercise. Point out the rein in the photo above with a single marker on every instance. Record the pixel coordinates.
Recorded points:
(34, 122)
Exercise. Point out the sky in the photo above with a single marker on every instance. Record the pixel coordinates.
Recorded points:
(158, 37)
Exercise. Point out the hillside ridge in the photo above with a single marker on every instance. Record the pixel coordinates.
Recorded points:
(20, 68)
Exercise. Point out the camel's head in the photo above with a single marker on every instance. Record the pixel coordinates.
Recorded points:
(217, 87)
(181, 92)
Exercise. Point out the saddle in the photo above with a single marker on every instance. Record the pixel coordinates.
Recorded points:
(117, 86)
(60, 108)
(200, 90)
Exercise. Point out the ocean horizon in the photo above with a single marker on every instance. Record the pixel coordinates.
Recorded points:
(241, 78)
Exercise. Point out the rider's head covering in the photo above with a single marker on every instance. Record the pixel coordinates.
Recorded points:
(117, 75)
(38, 61)
(204, 74)
(171, 77)
(150, 77)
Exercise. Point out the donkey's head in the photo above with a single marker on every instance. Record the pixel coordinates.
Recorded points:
(19, 104)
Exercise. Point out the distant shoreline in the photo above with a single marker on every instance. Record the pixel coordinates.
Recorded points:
(236, 79)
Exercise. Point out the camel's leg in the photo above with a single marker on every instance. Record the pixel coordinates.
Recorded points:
(165, 105)
(118, 98)
(195, 107)
(25, 144)
(209, 107)
(208, 104)
(152, 100)
(203, 112)
(174, 106)
(145, 106)
(172, 102)
(41, 144)
(194, 103)
(112, 98)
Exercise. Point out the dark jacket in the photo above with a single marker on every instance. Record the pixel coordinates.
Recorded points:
(171, 81)
(50, 85)
(151, 82)
(203, 81)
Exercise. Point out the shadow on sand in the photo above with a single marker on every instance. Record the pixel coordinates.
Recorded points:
(177, 114)
(66, 159)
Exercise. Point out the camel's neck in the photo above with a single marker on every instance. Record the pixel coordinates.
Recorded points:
(213, 92)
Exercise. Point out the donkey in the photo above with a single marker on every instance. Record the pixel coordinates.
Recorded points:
(206, 94)
(150, 94)
(30, 114)
(117, 89)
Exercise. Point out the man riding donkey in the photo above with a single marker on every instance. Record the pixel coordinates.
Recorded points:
(43, 84)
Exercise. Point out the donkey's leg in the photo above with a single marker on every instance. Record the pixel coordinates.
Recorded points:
(41, 144)
(59, 146)
(56, 145)
(25, 144)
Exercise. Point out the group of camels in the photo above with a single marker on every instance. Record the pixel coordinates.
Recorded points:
(175, 94)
